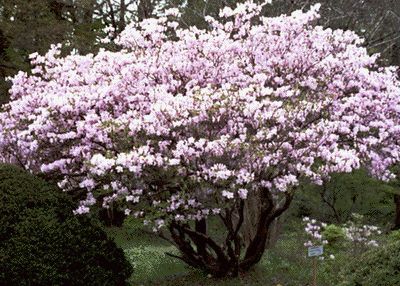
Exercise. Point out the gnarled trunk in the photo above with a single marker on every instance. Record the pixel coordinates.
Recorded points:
(253, 208)
(235, 254)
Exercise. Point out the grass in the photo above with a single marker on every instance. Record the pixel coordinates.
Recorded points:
(286, 264)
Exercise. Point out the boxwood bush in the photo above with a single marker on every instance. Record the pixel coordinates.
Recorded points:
(43, 243)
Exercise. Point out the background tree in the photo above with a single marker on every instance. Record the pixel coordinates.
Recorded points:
(32, 26)
(376, 21)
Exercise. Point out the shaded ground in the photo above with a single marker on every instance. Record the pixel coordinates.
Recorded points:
(286, 264)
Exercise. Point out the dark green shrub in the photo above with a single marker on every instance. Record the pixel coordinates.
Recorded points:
(377, 267)
(43, 243)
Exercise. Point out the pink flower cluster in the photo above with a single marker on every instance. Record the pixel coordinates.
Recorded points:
(205, 115)
(313, 230)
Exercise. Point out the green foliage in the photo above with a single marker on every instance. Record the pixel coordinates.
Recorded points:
(378, 267)
(394, 236)
(43, 243)
(333, 234)
(345, 194)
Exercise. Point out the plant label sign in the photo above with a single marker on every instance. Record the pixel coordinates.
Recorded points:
(315, 251)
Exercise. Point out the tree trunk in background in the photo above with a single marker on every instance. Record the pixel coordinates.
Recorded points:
(3, 69)
(145, 9)
(122, 12)
(397, 214)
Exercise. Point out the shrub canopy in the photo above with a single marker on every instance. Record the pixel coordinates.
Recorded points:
(378, 267)
(43, 243)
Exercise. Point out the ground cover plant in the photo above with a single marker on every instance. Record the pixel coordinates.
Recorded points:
(182, 125)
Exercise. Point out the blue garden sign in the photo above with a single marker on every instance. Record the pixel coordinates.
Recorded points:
(315, 251)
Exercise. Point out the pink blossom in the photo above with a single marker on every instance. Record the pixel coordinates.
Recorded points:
(244, 105)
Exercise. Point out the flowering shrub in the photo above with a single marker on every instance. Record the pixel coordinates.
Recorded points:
(361, 235)
(313, 230)
(181, 124)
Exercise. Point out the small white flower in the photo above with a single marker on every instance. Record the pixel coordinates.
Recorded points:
(242, 193)
(228, 195)
(174, 162)
(81, 210)
(174, 12)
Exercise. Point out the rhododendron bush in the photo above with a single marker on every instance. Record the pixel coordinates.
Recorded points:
(184, 124)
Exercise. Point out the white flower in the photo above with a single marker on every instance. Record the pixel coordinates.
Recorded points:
(87, 183)
(373, 243)
(174, 162)
(179, 217)
(81, 210)
(101, 164)
(174, 12)
(228, 195)
(160, 223)
(242, 193)
(226, 12)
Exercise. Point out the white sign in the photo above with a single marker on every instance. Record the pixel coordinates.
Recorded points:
(315, 251)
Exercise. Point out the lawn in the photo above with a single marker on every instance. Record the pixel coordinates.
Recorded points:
(286, 264)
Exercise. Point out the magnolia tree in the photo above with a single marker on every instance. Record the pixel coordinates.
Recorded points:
(182, 125)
